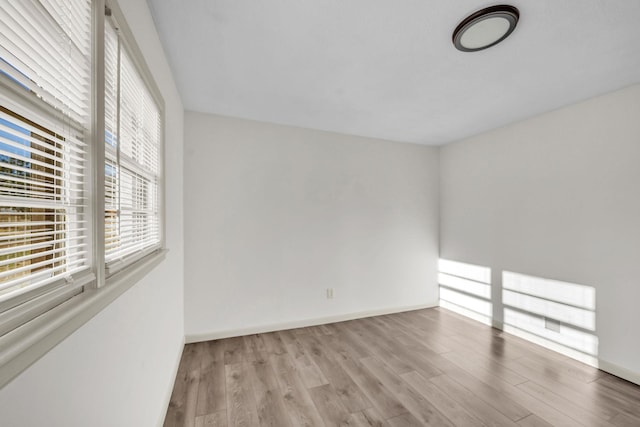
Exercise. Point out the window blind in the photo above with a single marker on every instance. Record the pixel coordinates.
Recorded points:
(45, 77)
(132, 157)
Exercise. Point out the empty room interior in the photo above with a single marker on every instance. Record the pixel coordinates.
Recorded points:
(319, 213)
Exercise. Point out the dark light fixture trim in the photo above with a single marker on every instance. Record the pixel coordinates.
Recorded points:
(505, 12)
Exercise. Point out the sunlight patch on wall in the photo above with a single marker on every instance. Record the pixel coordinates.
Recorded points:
(466, 289)
(473, 272)
(557, 315)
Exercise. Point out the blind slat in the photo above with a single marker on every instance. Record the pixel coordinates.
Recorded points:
(132, 217)
(45, 51)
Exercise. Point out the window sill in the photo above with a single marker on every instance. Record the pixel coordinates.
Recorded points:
(23, 346)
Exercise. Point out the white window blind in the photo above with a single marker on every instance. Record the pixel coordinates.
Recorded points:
(132, 157)
(45, 83)
(53, 64)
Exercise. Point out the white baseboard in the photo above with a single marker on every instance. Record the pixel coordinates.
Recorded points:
(619, 371)
(167, 397)
(260, 329)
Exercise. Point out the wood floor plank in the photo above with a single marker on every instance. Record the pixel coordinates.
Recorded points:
(297, 351)
(297, 399)
(618, 384)
(372, 418)
(413, 352)
(491, 395)
(483, 367)
(367, 418)
(287, 336)
(376, 348)
(330, 407)
(183, 402)
(319, 330)
(417, 368)
(578, 371)
(554, 400)
(254, 348)
(405, 420)
(383, 400)
(345, 348)
(311, 375)
(269, 401)
(490, 344)
(472, 403)
(175, 411)
(582, 394)
(533, 421)
(263, 376)
(449, 322)
(422, 409)
(188, 414)
(609, 398)
(301, 331)
(504, 343)
(523, 399)
(216, 419)
(234, 350)
(443, 402)
(211, 389)
(625, 420)
(241, 405)
(558, 370)
(537, 407)
(349, 392)
(331, 328)
(416, 330)
(191, 399)
(353, 344)
(622, 389)
(274, 344)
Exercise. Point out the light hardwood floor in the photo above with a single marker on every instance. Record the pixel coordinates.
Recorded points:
(424, 367)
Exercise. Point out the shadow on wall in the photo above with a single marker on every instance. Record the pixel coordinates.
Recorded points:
(557, 315)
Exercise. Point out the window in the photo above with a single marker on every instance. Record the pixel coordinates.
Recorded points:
(61, 166)
(132, 154)
(45, 61)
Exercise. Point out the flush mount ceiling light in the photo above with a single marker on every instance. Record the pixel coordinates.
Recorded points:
(485, 28)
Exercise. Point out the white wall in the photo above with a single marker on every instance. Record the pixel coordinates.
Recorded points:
(118, 369)
(274, 215)
(557, 196)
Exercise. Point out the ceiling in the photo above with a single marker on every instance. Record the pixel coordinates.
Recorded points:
(388, 69)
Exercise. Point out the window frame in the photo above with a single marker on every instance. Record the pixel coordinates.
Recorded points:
(127, 40)
(62, 314)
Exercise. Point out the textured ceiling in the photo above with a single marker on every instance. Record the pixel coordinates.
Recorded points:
(388, 69)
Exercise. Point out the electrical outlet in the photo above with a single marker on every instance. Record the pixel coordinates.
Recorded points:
(329, 293)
